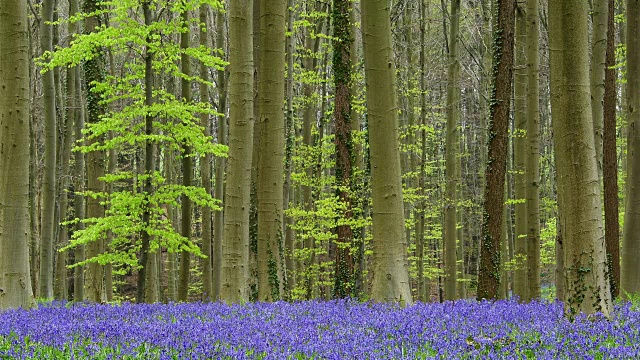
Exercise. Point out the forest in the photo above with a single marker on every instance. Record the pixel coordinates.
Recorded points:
(447, 179)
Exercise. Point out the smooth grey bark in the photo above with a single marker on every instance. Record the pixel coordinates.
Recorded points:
(14, 159)
(630, 270)
(235, 257)
(271, 159)
(45, 283)
(390, 280)
(587, 288)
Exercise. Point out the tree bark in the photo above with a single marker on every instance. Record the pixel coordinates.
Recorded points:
(390, 280)
(94, 73)
(587, 288)
(452, 172)
(45, 288)
(520, 285)
(532, 174)
(205, 170)
(14, 160)
(630, 271)
(599, 16)
(218, 221)
(235, 257)
(271, 160)
(610, 159)
(344, 262)
(489, 276)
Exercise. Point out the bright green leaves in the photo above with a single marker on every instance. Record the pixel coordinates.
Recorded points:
(139, 201)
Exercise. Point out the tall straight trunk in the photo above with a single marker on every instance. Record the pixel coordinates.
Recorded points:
(489, 276)
(560, 283)
(520, 286)
(452, 157)
(344, 262)
(60, 281)
(205, 171)
(610, 159)
(172, 291)
(14, 160)
(218, 221)
(308, 117)
(257, 129)
(423, 289)
(630, 271)
(587, 288)
(288, 155)
(145, 264)
(78, 185)
(94, 73)
(271, 161)
(532, 174)
(235, 257)
(599, 16)
(390, 280)
(187, 167)
(45, 288)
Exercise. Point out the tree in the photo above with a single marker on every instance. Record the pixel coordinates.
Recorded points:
(532, 174)
(520, 287)
(93, 75)
(598, 50)
(235, 257)
(14, 159)
(587, 288)
(390, 280)
(610, 159)
(630, 270)
(45, 285)
(270, 161)
(453, 159)
(489, 276)
(344, 261)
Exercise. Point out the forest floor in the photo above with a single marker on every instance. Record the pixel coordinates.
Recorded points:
(317, 330)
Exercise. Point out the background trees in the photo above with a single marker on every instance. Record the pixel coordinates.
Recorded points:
(367, 181)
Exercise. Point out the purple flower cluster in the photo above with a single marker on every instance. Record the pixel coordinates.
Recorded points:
(316, 330)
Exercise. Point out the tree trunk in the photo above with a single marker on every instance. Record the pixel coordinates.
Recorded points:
(205, 170)
(452, 157)
(144, 280)
(587, 288)
(287, 191)
(610, 159)
(45, 288)
(14, 160)
(390, 280)
(344, 262)
(94, 73)
(218, 221)
(489, 276)
(235, 257)
(187, 168)
(520, 288)
(630, 272)
(532, 174)
(271, 161)
(599, 16)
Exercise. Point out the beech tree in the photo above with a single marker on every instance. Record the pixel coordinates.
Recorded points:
(586, 284)
(14, 159)
(389, 264)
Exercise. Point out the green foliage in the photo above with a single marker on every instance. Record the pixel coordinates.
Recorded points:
(175, 125)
